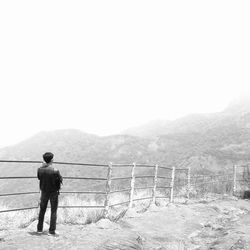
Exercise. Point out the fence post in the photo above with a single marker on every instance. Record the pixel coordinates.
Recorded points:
(155, 184)
(172, 185)
(108, 187)
(132, 184)
(235, 180)
(188, 182)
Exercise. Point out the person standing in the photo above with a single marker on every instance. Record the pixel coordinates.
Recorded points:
(50, 181)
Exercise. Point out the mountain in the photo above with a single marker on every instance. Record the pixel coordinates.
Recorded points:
(207, 143)
(236, 115)
(152, 128)
(224, 136)
(240, 106)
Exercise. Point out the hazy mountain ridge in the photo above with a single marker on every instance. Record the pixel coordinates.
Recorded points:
(223, 136)
(236, 114)
(207, 143)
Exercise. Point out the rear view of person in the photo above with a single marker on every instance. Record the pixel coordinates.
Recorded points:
(50, 180)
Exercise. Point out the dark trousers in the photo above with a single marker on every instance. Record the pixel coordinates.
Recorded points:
(45, 197)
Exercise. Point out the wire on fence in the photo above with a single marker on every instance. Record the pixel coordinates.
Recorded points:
(10, 194)
(143, 187)
(56, 162)
(85, 178)
(164, 177)
(144, 176)
(81, 192)
(17, 209)
(210, 182)
(122, 165)
(121, 178)
(209, 176)
(145, 198)
(120, 191)
(18, 177)
(144, 165)
(165, 168)
(118, 204)
(175, 182)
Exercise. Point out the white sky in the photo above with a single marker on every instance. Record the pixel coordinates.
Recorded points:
(103, 66)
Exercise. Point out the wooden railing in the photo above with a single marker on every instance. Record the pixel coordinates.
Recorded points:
(175, 181)
(109, 179)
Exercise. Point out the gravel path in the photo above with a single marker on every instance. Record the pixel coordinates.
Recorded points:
(221, 224)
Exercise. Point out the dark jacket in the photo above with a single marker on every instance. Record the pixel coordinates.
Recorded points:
(49, 177)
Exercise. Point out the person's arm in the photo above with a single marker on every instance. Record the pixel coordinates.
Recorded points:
(60, 177)
(38, 174)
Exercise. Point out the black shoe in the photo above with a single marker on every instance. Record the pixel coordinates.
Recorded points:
(52, 233)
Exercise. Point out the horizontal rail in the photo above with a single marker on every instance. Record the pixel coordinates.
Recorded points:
(164, 187)
(2, 195)
(66, 177)
(85, 178)
(81, 206)
(210, 182)
(165, 168)
(18, 209)
(29, 208)
(143, 187)
(181, 169)
(139, 199)
(144, 176)
(209, 176)
(118, 204)
(162, 197)
(163, 177)
(81, 164)
(122, 165)
(121, 190)
(89, 164)
(57, 162)
(10, 161)
(121, 178)
(81, 192)
(145, 165)
(18, 177)
(131, 165)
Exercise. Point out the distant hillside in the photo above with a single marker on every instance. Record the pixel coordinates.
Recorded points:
(223, 137)
(150, 129)
(207, 143)
(210, 141)
(236, 115)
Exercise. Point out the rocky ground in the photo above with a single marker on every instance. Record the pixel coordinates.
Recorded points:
(217, 224)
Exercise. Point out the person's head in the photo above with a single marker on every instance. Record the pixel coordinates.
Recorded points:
(48, 157)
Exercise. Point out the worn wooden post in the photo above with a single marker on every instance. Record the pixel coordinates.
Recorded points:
(235, 180)
(108, 187)
(172, 185)
(132, 185)
(188, 182)
(155, 184)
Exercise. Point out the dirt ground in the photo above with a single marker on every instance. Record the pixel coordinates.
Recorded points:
(218, 224)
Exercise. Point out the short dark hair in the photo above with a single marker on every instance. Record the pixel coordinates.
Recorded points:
(48, 156)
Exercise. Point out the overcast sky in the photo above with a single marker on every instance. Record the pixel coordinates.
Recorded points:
(104, 66)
